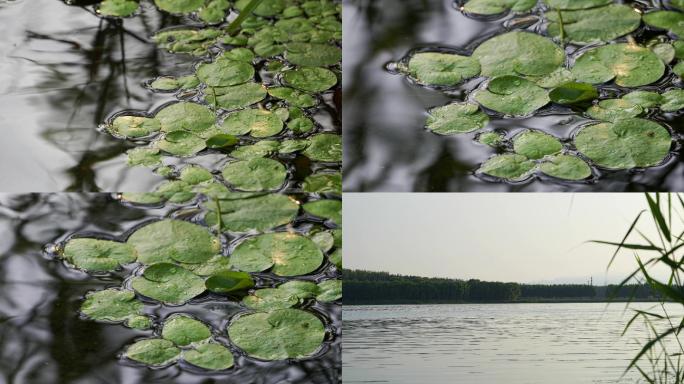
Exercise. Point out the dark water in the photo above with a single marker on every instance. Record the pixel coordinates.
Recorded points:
(42, 338)
(491, 343)
(385, 146)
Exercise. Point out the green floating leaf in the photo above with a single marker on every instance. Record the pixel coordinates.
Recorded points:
(183, 330)
(216, 264)
(518, 53)
(255, 213)
(512, 95)
(115, 305)
(154, 352)
(181, 143)
(293, 96)
(508, 166)
(164, 83)
(536, 144)
(174, 241)
(211, 356)
(323, 183)
(176, 191)
(300, 289)
(292, 145)
(214, 11)
(266, 8)
(331, 290)
(185, 116)
(257, 122)
(313, 55)
(327, 209)
(194, 174)
(576, 4)
(678, 69)
(118, 8)
(492, 139)
(435, 68)
(290, 333)
(147, 157)
(554, 79)
(325, 147)
(168, 283)
(229, 281)
(98, 255)
(573, 93)
(580, 26)
(614, 109)
(566, 167)
(629, 64)
(187, 40)
(310, 79)
(287, 254)
(225, 72)
(268, 299)
(664, 51)
(238, 96)
(456, 118)
(624, 144)
(644, 99)
(336, 258)
(221, 140)
(670, 20)
(254, 175)
(323, 239)
(300, 124)
(495, 7)
(673, 100)
(179, 6)
(142, 197)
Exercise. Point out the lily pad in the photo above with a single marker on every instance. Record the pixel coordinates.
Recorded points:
(185, 116)
(229, 281)
(237, 96)
(287, 254)
(221, 140)
(118, 8)
(310, 79)
(669, 20)
(174, 240)
(325, 147)
(225, 72)
(254, 175)
(179, 6)
(331, 290)
(257, 213)
(624, 144)
(336, 257)
(134, 126)
(536, 144)
(154, 352)
(629, 64)
(573, 93)
(278, 335)
(327, 209)
(168, 283)
(435, 68)
(193, 174)
(98, 255)
(257, 122)
(313, 55)
(147, 157)
(456, 118)
(586, 26)
(268, 299)
(115, 305)
(492, 139)
(518, 53)
(184, 330)
(673, 100)
(211, 356)
(323, 183)
(495, 7)
(613, 109)
(566, 167)
(259, 149)
(293, 96)
(576, 4)
(644, 99)
(512, 95)
(300, 289)
(181, 143)
(664, 51)
(508, 166)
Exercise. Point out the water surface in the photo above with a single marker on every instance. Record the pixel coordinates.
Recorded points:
(490, 343)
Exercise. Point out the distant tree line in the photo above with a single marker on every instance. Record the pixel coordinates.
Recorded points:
(366, 287)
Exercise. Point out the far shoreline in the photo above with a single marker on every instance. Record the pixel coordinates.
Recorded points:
(573, 301)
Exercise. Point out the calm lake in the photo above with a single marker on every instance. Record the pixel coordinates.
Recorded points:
(490, 343)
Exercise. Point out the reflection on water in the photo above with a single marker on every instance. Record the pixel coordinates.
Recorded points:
(42, 338)
(63, 70)
(386, 148)
(483, 343)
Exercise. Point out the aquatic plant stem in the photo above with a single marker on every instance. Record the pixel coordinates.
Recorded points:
(244, 13)
(562, 30)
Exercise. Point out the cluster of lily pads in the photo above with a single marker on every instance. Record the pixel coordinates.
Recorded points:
(579, 56)
(252, 98)
(244, 247)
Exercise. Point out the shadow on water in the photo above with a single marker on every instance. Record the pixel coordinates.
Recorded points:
(386, 147)
(43, 339)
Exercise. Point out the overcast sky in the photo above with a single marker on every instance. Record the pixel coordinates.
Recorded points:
(525, 238)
